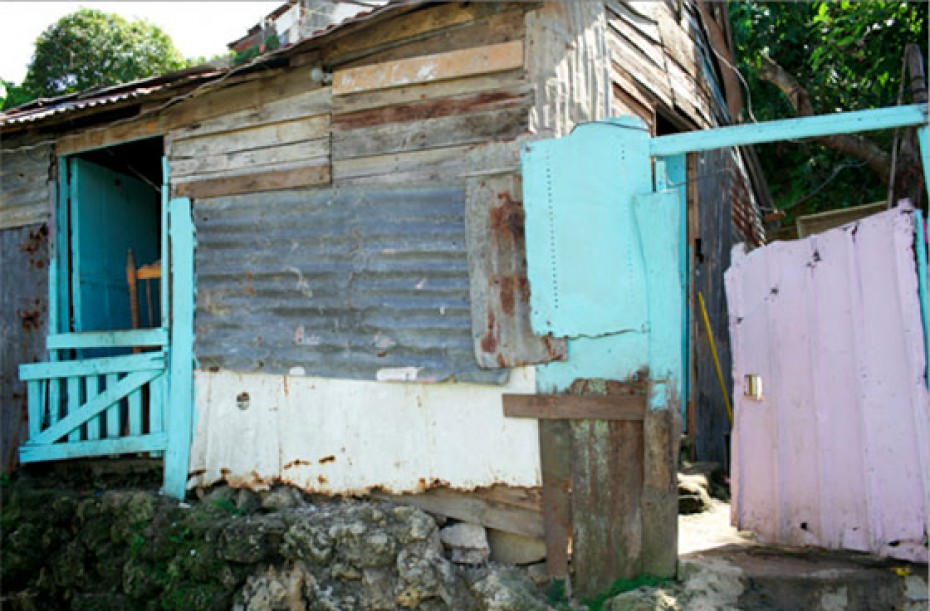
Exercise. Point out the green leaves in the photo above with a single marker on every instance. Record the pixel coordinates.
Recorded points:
(846, 56)
(90, 48)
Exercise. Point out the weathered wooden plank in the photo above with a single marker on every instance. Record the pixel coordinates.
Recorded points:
(440, 66)
(97, 137)
(575, 407)
(254, 160)
(307, 104)
(555, 438)
(97, 366)
(607, 481)
(60, 451)
(435, 91)
(501, 27)
(641, 69)
(643, 24)
(430, 133)
(649, 47)
(250, 138)
(237, 97)
(661, 435)
(21, 216)
(414, 109)
(475, 508)
(414, 26)
(308, 176)
(431, 164)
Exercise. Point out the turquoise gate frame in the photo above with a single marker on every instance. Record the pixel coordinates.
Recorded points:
(66, 395)
(566, 278)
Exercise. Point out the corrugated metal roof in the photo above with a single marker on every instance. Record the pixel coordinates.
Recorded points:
(834, 453)
(358, 283)
(45, 108)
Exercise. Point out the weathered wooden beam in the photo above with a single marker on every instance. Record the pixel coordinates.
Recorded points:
(575, 407)
(477, 507)
(98, 137)
(309, 176)
(428, 68)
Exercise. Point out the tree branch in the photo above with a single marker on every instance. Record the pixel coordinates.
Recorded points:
(859, 147)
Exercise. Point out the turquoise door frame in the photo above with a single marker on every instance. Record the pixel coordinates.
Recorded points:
(171, 397)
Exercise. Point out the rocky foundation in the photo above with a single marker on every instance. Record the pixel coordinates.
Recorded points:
(237, 550)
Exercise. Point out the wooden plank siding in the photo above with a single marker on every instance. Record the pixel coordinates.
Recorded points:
(26, 186)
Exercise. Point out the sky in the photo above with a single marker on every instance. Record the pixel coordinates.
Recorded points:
(197, 28)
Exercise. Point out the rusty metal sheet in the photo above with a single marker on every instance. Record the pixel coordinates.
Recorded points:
(831, 403)
(23, 326)
(500, 290)
(364, 283)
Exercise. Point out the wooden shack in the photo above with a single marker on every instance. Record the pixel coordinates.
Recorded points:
(341, 297)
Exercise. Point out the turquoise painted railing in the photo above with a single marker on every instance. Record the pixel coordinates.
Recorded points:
(97, 406)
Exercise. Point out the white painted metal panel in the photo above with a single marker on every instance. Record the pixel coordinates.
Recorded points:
(344, 436)
(834, 453)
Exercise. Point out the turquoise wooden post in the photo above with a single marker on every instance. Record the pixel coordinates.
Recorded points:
(924, 155)
(922, 290)
(180, 406)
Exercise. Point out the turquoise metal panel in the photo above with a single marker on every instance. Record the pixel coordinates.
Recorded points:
(584, 260)
(658, 221)
(922, 289)
(804, 127)
(676, 168)
(61, 451)
(180, 404)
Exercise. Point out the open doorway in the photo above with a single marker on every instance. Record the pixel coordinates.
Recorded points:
(114, 218)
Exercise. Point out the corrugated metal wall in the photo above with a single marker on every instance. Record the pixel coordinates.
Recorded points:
(23, 326)
(835, 453)
(364, 283)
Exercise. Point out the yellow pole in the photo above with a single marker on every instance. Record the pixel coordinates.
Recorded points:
(713, 352)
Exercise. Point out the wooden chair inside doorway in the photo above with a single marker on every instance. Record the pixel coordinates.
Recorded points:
(149, 274)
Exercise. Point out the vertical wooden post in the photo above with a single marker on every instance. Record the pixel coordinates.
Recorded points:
(180, 407)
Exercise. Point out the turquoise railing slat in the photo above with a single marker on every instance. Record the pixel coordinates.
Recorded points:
(74, 402)
(135, 412)
(92, 386)
(113, 423)
(108, 339)
(99, 366)
(95, 406)
(153, 442)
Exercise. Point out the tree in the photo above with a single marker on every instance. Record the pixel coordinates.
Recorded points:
(90, 48)
(803, 58)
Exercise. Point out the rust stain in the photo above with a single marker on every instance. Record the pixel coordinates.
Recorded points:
(327, 459)
(31, 320)
(507, 219)
(225, 472)
(197, 473)
(511, 289)
(297, 462)
(488, 341)
(34, 246)
(286, 390)
(500, 100)
(322, 480)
